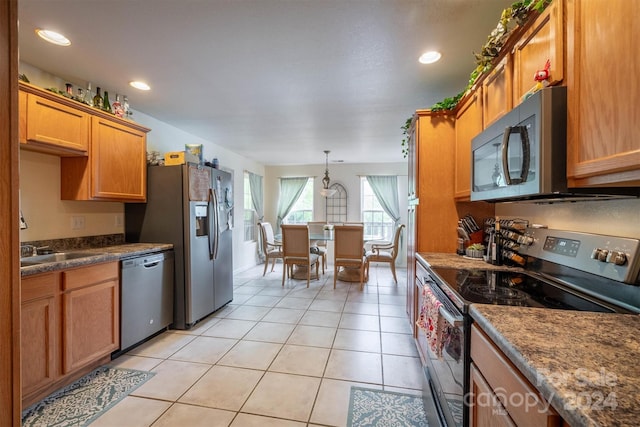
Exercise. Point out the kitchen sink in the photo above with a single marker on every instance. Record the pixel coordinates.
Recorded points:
(54, 257)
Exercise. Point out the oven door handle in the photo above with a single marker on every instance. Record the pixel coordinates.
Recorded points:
(452, 320)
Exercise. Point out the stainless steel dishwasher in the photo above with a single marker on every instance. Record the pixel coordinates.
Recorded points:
(146, 297)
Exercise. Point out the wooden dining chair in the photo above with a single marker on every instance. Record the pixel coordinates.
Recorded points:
(296, 250)
(386, 252)
(349, 250)
(272, 249)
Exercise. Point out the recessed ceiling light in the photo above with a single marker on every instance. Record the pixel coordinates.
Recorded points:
(429, 57)
(53, 37)
(140, 85)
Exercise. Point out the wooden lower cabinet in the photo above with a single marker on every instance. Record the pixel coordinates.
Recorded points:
(70, 324)
(486, 409)
(90, 324)
(500, 394)
(40, 331)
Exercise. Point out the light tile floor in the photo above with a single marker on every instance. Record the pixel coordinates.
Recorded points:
(276, 356)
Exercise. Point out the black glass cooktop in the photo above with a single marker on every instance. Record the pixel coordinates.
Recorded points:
(512, 288)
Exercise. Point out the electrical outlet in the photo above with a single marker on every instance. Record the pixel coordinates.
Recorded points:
(119, 220)
(77, 222)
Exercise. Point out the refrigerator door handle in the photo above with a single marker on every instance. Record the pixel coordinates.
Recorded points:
(216, 227)
(210, 217)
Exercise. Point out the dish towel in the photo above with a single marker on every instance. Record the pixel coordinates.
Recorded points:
(431, 322)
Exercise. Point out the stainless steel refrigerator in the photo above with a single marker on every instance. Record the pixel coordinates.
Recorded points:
(190, 206)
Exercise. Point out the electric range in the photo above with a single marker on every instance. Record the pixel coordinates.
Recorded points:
(564, 270)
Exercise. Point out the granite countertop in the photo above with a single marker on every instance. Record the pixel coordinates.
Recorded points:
(585, 364)
(445, 260)
(102, 254)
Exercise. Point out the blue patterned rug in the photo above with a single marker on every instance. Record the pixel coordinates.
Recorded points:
(380, 408)
(81, 402)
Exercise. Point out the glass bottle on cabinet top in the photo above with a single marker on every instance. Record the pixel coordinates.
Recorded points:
(126, 107)
(106, 105)
(97, 100)
(88, 97)
(117, 107)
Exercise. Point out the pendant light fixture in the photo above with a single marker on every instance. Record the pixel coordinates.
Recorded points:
(326, 191)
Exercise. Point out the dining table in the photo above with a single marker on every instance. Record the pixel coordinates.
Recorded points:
(346, 274)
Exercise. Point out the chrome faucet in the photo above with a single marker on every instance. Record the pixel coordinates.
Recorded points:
(28, 250)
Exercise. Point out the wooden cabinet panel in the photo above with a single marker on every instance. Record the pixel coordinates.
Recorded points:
(55, 127)
(432, 209)
(119, 161)
(602, 92)
(90, 275)
(66, 334)
(468, 125)
(22, 117)
(543, 41)
(436, 216)
(515, 389)
(486, 409)
(497, 92)
(40, 364)
(90, 324)
(103, 157)
(116, 169)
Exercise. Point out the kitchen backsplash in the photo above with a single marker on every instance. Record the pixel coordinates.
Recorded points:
(74, 243)
(612, 217)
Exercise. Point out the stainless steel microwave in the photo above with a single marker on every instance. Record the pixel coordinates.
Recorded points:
(524, 153)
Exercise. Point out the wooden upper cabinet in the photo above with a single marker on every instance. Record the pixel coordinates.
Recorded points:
(468, 125)
(52, 124)
(116, 167)
(542, 41)
(602, 93)
(497, 92)
(103, 157)
(118, 156)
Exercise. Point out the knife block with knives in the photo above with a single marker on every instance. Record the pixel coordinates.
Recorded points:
(468, 233)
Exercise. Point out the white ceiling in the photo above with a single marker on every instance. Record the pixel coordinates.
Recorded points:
(277, 81)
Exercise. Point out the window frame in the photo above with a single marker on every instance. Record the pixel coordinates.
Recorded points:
(384, 228)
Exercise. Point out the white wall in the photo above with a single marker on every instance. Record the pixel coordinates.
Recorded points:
(348, 175)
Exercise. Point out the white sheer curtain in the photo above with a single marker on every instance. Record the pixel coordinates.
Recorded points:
(290, 191)
(386, 190)
(257, 194)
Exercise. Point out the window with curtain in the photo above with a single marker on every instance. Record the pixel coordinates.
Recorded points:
(302, 210)
(250, 215)
(376, 220)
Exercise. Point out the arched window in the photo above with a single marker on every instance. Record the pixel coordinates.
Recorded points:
(336, 205)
